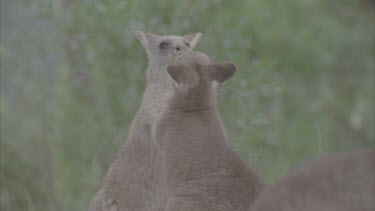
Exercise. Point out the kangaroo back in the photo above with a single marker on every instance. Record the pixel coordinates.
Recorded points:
(342, 181)
(203, 172)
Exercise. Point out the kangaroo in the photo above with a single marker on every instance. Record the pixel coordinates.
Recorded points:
(339, 182)
(133, 181)
(203, 172)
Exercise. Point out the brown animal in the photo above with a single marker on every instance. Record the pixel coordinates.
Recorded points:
(133, 181)
(338, 182)
(203, 172)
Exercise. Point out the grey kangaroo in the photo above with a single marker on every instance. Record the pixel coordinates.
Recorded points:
(203, 172)
(133, 181)
(339, 182)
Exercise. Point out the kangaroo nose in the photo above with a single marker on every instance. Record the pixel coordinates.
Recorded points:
(178, 48)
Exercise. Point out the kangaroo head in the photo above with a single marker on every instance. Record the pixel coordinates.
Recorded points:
(196, 69)
(162, 50)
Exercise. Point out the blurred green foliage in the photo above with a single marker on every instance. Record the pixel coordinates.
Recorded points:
(72, 76)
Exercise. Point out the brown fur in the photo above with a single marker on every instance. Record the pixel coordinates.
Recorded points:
(338, 182)
(133, 181)
(203, 172)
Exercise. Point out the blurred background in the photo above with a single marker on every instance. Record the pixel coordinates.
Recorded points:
(72, 76)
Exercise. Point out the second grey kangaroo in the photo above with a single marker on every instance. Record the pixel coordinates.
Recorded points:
(203, 172)
(133, 181)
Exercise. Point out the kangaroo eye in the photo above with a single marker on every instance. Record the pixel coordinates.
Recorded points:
(163, 45)
(187, 44)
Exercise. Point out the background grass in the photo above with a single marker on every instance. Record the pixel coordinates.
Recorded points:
(72, 76)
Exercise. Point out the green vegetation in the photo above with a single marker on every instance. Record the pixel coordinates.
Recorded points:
(72, 76)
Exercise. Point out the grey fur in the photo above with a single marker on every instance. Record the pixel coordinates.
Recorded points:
(133, 181)
(338, 182)
(203, 172)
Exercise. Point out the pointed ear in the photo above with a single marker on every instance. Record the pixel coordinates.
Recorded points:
(221, 72)
(178, 73)
(193, 39)
(146, 38)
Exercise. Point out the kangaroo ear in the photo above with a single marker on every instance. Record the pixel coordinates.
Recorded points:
(221, 72)
(178, 73)
(193, 39)
(146, 38)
